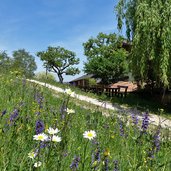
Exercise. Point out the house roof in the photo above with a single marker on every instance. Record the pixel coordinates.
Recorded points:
(131, 86)
(83, 77)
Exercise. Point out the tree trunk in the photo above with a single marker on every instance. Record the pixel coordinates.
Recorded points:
(163, 95)
(60, 78)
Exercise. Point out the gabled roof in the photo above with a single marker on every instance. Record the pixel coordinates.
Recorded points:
(83, 77)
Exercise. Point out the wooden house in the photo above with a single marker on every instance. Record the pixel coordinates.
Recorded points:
(83, 81)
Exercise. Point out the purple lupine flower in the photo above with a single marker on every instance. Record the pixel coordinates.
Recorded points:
(44, 144)
(39, 127)
(39, 98)
(151, 153)
(65, 154)
(121, 128)
(14, 115)
(36, 150)
(145, 122)
(134, 119)
(3, 112)
(156, 140)
(96, 158)
(95, 142)
(37, 113)
(74, 164)
(97, 154)
(156, 143)
(40, 101)
(106, 164)
(115, 165)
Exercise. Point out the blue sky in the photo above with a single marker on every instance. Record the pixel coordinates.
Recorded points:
(36, 24)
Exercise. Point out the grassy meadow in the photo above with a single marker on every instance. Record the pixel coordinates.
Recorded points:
(40, 131)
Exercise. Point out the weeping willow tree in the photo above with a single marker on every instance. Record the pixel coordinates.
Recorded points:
(148, 27)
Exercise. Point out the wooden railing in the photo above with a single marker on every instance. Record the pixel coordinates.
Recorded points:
(119, 91)
(122, 91)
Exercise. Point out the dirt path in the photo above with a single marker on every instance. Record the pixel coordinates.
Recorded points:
(153, 118)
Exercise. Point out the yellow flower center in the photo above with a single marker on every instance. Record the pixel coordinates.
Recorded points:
(40, 137)
(90, 134)
(32, 154)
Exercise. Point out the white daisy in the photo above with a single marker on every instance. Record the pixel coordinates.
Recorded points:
(69, 92)
(69, 111)
(40, 137)
(32, 155)
(89, 134)
(37, 164)
(56, 138)
(53, 131)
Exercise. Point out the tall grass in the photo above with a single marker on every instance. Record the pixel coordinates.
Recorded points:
(27, 110)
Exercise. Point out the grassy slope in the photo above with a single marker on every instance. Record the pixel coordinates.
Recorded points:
(16, 135)
(131, 101)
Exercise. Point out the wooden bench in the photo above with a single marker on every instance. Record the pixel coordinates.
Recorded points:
(122, 91)
(111, 91)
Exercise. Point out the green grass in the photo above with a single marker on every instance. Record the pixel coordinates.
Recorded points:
(132, 100)
(64, 86)
(136, 101)
(133, 150)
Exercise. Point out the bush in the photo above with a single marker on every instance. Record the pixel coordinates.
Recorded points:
(44, 76)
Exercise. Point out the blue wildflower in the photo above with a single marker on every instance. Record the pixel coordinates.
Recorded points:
(106, 164)
(39, 127)
(157, 140)
(14, 115)
(74, 164)
(115, 165)
(145, 122)
(4, 112)
(134, 119)
(121, 128)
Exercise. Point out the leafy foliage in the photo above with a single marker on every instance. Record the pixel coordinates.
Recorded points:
(60, 61)
(24, 63)
(44, 76)
(106, 58)
(5, 62)
(91, 82)
(148, 26)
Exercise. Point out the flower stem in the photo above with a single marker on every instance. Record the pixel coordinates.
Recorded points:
(84, 156)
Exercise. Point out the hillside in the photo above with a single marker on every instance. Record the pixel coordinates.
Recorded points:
(55, 132)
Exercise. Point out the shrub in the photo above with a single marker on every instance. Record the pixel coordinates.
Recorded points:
(44, 76)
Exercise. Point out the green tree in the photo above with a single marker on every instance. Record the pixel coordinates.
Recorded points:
(5, 62)
(148, 27)
(60, 61)
(106, 58)
(24, 63)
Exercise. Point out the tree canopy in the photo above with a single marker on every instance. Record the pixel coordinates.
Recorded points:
(148, 27)
(106, 58)
(5, 62)
(21, 61)
(60, 60)
(24, 62)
